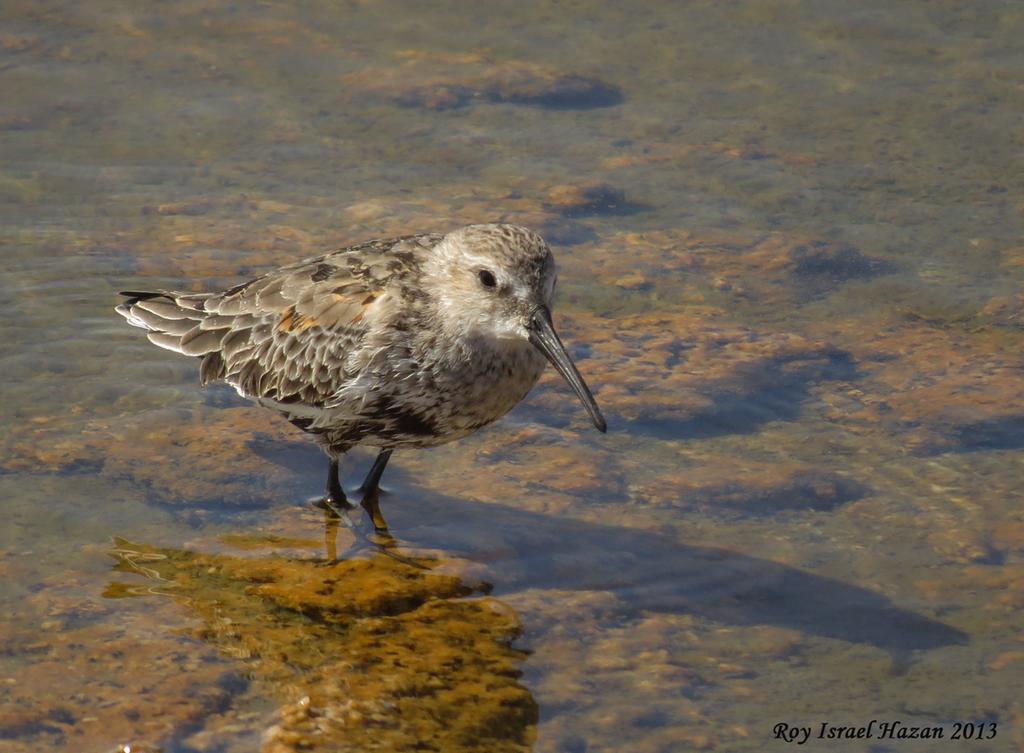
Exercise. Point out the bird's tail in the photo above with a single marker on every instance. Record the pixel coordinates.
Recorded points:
(178, 322)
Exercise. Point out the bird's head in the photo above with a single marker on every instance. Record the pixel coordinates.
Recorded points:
(499, 282)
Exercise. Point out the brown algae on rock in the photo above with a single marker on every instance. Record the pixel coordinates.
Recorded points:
(364, 654)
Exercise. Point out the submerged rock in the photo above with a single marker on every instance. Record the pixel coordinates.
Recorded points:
(836, 262)
(591, 199)
(754, 491)
(443, 83)
(96, 684)
(364, 654)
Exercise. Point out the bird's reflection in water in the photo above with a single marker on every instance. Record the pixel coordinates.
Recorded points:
(369, 531)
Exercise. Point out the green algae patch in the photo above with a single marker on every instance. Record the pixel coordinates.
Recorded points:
(363, 654)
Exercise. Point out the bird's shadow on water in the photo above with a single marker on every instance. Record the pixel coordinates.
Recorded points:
(650, 571)
(646, 570)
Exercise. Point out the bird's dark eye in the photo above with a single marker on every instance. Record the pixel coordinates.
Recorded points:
(487, 278)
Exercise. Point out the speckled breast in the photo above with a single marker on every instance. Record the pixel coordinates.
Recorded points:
(488, 385)
(443, 400)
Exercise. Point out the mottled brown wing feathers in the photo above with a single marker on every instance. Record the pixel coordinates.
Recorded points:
(289, 335)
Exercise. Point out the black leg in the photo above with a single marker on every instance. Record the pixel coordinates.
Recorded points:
(371, 492)
(335, 494)
(371, 484)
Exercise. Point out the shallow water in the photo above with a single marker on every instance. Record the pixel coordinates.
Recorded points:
(791, 247)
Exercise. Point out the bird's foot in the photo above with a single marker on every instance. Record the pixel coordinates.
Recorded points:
(372, 521)
(331, 503)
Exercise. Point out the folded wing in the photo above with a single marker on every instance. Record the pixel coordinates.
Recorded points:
(294, 336)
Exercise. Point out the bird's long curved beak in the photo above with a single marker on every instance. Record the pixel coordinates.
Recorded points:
(544, 339)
